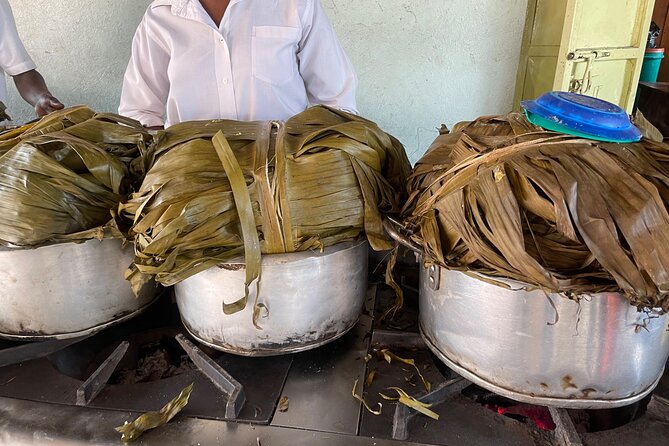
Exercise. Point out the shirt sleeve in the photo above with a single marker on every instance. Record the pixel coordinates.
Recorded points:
(145, 84)
(327, 72)
(14, 59)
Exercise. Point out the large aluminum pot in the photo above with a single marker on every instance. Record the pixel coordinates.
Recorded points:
(311, 298)
(599, 352)
(66, 290)
(539, 348)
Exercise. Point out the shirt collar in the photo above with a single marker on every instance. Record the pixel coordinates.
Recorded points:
(191, 9)
(183, 8)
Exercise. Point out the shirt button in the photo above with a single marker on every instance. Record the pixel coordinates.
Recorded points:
(225, 81)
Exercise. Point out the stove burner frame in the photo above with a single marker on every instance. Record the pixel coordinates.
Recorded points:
(310, 379)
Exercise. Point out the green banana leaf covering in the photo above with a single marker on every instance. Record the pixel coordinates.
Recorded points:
(62, 178)
(217, 190)
(502, 197)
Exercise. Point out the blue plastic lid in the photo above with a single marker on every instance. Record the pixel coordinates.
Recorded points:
(581, 115)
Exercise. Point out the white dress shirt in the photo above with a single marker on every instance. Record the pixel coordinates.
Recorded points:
(14, 58)
(269, 59)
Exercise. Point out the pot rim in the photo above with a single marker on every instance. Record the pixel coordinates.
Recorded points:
(292, 257)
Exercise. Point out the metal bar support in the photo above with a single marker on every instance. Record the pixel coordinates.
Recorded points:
(404, 414)
(218, 375)
(98, 380)
(398, 339)
(565, 432)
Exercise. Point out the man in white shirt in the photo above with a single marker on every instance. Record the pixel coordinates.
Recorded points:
(234, 59)
(15, 61)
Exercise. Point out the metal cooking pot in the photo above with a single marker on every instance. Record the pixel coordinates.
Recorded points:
(538, 348)
(66, 290)
(312, 298)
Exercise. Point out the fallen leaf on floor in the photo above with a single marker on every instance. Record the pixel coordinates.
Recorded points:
(284, 402)
(152, 420)
(390, 356)
(411, 402)
(364, 403)
(370, 378)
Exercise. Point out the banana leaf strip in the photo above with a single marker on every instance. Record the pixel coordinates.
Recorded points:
(219, 190)
(151, 420)
(390, 357)
(370, 377)
(63, 177)
(413, 403)
(246, 219)
(367, 407)
(503, 198)
(284, 404)
(648, 130)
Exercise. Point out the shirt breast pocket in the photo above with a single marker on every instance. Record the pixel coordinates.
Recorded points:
(274, 53)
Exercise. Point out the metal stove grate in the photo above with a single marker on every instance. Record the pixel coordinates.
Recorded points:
(39, 401)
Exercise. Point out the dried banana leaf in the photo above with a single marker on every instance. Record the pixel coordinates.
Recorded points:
(370, 377)
(151, 420)
(502, 197)
(320, 178)
(413, 403)
(648, 130)
(390, 356)
(246, 219)
(62, 178)
(51, 123)
(367, 407)
(284, 404)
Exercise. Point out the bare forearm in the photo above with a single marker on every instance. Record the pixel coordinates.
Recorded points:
(33, 90)
(31, 86)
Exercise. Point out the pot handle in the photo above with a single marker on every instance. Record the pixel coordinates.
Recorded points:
(394, 228)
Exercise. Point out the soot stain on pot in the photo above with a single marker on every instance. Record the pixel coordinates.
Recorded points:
(23, 331)
(585, 393)
(296, 342)
(567, 383)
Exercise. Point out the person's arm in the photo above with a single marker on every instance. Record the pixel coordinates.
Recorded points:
(33, 90)
(146, 85)
(15, 61)
(327, 72)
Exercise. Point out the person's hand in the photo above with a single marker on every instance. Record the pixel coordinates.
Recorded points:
(46, 104)
(33, 89)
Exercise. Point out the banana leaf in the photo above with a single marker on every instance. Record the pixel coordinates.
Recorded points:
(217, 190)
(411, 402)
(131, 431)
(365, 404)
(502, 197)
(62, 177)
(51, 123)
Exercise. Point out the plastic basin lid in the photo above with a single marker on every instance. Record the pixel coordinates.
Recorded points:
(584, 115)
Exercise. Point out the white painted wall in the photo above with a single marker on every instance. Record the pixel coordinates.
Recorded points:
(421, 63)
